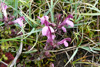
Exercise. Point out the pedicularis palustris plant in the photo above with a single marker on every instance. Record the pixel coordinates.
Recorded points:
(50, 30)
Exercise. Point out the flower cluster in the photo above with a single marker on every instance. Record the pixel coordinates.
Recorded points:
(50, 30)
(7, 19)
(47, 30)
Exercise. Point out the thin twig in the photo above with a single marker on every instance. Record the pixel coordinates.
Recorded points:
(91, 40)
(18, 54)
(35, 43)
(69, 48)
(98, 27)
(4, 63)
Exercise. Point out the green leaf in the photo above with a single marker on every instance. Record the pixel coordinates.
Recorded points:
(98, 49)
(90, 14)
(11, 39)
(32, 31)
(33, 51)
(71, 57)
(1, 24)
(90, 49)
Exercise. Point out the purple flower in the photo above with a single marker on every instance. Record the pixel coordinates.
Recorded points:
(63, 28)
(47, 31)
(64, 42)
(20, 21)
(66, 22)
(44, 20)
(4, 7)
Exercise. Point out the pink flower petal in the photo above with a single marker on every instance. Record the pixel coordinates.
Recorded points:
(67, 22)
(19, 21)
(60, 42)
(43, 19)
(44, 30)
(68, 39)
(70, 23)
(4, 7)
(46, 17)
(70, 16)
(52, 30)
(64, 29)
(66, 44)
(64, 41)
(53, 37)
